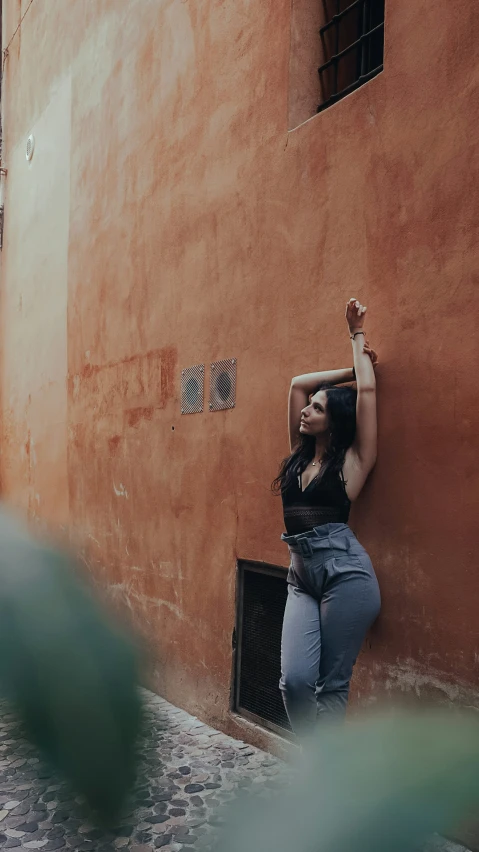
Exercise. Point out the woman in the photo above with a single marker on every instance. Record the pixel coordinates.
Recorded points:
(333, 594)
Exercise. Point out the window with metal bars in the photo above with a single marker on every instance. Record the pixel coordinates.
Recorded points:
(261, 598)
(352, 40)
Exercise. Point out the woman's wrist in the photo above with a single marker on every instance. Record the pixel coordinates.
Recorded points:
(353, 332)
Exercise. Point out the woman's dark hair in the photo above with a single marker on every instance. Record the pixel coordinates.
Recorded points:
(341, 411)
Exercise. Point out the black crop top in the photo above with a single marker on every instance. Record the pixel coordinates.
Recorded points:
(323, 501)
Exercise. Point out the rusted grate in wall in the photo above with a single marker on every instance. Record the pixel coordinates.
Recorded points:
(261, 600)
(353, 46)
(192, 389)
(223, 385)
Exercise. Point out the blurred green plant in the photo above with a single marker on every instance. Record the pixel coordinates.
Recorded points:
(378, 784)
(68, 671)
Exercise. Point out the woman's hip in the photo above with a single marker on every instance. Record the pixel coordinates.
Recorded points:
(327, 554)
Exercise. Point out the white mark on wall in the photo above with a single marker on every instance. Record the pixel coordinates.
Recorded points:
(177, 60)
(130, 596)
(120, 492)
(167, 569)
(33, 453)
(170, 570)
(410, 677)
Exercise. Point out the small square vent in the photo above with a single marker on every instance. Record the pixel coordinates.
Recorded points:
(262, 593)
(223, 385)
(192, 389)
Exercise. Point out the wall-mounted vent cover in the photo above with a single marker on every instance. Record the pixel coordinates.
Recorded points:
(192, 389)
(30, 147)
(262, 593)
(223, 385)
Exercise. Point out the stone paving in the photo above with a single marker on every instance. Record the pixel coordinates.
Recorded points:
(189, 773)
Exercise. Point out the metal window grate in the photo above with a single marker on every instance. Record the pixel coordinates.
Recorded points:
(262, 593)
(192, 389)
(353, 45)
(223, 385)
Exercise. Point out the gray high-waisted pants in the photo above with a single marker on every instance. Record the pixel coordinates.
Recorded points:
(333, 598)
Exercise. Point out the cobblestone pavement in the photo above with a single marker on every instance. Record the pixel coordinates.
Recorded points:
(188, 772)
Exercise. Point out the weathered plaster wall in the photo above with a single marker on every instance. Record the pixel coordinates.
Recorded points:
(168, 218)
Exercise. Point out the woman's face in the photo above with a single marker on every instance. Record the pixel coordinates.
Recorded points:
(314, 418)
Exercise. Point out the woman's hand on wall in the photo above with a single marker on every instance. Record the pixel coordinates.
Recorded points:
(355, 312)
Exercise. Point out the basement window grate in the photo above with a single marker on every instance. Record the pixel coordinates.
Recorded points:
(353, 45)
(261, 599)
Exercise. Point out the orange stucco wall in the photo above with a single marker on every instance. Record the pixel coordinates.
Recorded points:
(168, 218)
